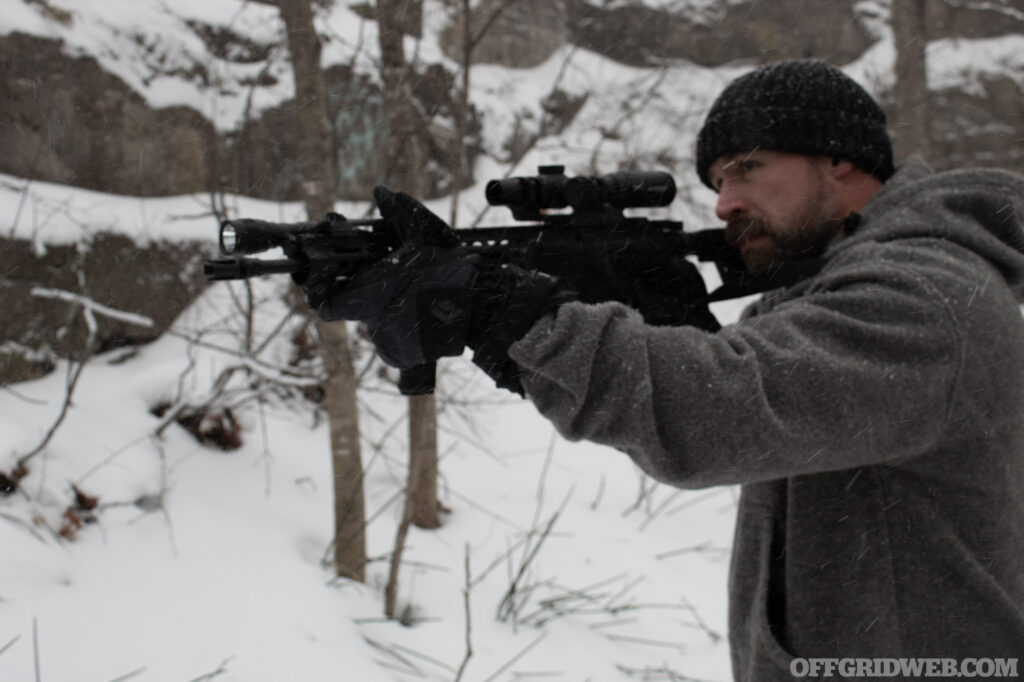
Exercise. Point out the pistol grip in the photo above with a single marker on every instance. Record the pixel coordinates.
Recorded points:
(417, 380)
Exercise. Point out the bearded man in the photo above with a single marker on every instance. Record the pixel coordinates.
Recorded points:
(873, 411)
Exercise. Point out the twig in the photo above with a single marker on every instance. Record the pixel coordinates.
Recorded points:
(662, 673)
(989, 6)
(507, 605)
(515, 658)
(24, 398)
(713, 635)
(330, 546)
(391, 590)
(35, 646)
(648, 642)
(21, 204)
(600, 494)
(425, 657)
(128, 676)
(9, 644)
(410, 666)
(661, 507)
(24, 524)
(88, 310)
(92, 306)
(698, 548)
(547, 465)
(221, 669)
(73, 376)
(469, 641)
(647, 488)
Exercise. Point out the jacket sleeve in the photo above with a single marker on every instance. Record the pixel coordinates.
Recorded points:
(858, 370)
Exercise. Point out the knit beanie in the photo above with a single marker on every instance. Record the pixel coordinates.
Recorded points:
(800, 106)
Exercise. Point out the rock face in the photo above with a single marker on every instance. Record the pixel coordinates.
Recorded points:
(66, 120)
(528, 32)
(156, 281)
(758, 31)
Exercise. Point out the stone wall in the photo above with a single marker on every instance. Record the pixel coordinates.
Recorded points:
(157, 281)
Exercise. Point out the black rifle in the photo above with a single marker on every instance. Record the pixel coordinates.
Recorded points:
(647, 257)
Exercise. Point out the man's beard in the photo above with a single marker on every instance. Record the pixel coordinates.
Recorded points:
(804, 236)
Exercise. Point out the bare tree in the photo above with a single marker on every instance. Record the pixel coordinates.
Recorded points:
(315, 156)
(406, 157)
(469, 41)
(911, 93)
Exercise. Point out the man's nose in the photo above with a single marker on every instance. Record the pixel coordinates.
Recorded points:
(731, 202)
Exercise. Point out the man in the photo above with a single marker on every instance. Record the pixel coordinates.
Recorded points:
(873, 412)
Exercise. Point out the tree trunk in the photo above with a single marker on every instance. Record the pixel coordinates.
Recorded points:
(315, 157)
(423, 460)
(911, 124)
(405, 164)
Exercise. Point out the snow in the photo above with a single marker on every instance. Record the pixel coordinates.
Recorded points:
(227, 572)
(206, 564)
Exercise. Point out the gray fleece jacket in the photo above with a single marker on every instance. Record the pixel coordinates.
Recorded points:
(874, 415)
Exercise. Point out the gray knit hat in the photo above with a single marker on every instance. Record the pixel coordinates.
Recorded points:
(801, 106)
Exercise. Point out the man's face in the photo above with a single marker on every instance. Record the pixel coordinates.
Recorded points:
(777, 206)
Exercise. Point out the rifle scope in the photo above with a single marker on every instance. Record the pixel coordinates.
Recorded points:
(550, 188)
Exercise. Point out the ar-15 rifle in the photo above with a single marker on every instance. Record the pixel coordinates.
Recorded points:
(648, 257)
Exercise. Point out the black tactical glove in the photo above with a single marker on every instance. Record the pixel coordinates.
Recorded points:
(428, 303)
(431, 300)
(406, 221)
(416, 306)
(507, 302)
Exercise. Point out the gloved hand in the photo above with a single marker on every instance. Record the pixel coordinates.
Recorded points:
(428, 303)
(507, 302)
(318, 278)
(406, 221)
(416, 306)
(431, 300)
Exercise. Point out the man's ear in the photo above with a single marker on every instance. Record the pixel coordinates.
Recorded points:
(840, 169)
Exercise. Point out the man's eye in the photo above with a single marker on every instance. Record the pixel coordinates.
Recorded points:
(748, 165)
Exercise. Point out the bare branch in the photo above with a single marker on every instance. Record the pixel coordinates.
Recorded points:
(92, 306)
(221, 669)
(35, 645)
(515, 658)
(469, 640)
(11, 643)
(988, 7)
(128, 676)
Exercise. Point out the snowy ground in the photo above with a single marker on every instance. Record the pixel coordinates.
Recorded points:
(203, 562)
